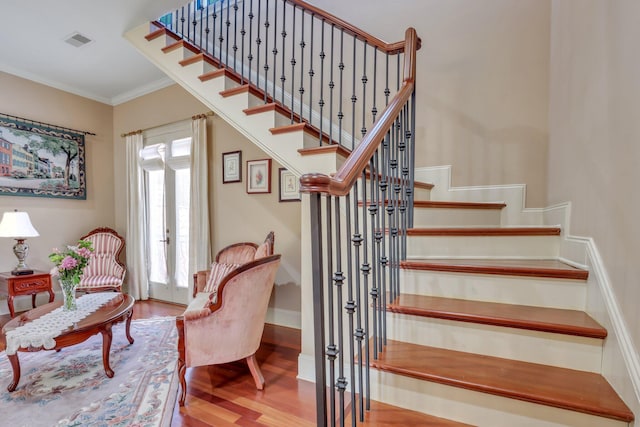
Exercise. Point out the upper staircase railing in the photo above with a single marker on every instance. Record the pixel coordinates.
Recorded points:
(323, 71)
(357, 91)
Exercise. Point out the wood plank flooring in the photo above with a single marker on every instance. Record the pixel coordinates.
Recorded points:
(225, 395)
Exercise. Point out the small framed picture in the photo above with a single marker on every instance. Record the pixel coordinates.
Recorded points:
(232, 167)
(259, 176)
(289, 186)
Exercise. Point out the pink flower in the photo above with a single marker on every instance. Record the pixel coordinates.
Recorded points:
(84, 252)
(68, 263)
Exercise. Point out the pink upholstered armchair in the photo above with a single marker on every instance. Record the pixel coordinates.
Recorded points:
(104, 271)
(227, 326)
(232, 256)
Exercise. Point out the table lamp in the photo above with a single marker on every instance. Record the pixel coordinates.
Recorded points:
(18, 225)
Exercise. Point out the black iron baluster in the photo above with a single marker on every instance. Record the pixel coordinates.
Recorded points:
(206, 31)
(283, 77)
(235, 34)
(266, 49)
(412, 151)
(364, 80)
(338, 281)
(374, 109)
(258, 43)
(354, 98)
(311, 74)
(321, 100)
(302, 46)
(387, 91)
(243, 33)
(331, 85)
(227, 24)
(361, 301)
(340, 87)
(365, 268)
(275, 47)
(220, 36)
(188, 35)
(182, 21)
(293, 61)
(332, 349)
(201, 27)
(214, 16)
(351, 308)
(250, 57)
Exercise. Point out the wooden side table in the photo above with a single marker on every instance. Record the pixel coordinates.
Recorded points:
(30, 284)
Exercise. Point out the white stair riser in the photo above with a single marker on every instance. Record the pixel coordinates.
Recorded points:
(535, 291)
(475, 408)
(509, 343)
(540, 247)
(445, 217)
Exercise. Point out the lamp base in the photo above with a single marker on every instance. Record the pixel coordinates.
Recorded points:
(21, 272)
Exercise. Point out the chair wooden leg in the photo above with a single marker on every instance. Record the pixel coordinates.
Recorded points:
(182, 368)
(182, 365)
(255, 372)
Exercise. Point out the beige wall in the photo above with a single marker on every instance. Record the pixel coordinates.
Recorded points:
(594, 146)
(482, 83)
(236, 216)
(61, 221)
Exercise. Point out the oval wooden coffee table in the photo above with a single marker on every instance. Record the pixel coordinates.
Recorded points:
(117, 310)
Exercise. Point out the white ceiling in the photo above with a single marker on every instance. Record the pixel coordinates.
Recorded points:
(109, 69)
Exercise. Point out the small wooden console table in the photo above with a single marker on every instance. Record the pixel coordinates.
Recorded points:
(29, 284)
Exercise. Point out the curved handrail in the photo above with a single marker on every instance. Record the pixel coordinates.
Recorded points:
(340, 184)
(390, 48)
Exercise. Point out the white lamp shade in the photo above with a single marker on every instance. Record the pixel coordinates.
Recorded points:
(17, 225)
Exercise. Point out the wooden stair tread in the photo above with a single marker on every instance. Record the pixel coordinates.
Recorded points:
(544, 319)
(457, 205)
(450, 205)
(484, 231)
(523, 267)
(383, 415)
(580, 391)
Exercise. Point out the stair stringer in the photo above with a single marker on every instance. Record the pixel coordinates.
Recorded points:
(283, 147)
(620, 357)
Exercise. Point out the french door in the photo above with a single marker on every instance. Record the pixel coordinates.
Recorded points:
(165, 159)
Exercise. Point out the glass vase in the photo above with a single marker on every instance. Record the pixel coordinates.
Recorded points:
(68, 295)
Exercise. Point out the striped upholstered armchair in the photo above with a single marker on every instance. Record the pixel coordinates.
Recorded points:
(104, 271)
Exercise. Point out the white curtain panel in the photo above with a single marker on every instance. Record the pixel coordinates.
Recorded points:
(199, 244)
(136, 234)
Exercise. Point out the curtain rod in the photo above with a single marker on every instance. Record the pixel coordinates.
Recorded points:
(197, 116)
(36, 122)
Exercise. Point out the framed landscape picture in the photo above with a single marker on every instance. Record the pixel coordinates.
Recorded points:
(231, 167)
(259, 176)
(36, 160)
(289, 186)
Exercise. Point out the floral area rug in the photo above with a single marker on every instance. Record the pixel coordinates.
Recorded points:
(70, 388)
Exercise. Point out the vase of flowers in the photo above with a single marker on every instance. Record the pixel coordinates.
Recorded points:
(69, 266)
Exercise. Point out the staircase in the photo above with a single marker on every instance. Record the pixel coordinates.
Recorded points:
(489, 326)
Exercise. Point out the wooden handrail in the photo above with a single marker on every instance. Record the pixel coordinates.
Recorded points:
(340, 184)
(390, 48)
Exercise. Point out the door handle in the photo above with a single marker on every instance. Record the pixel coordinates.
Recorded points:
(167, 240)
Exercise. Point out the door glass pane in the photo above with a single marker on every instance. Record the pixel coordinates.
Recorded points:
(181, 235)
(156, 227)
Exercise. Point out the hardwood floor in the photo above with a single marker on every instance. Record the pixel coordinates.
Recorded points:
(225, 395)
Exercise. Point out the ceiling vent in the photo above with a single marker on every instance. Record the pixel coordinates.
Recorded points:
(78, 40)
